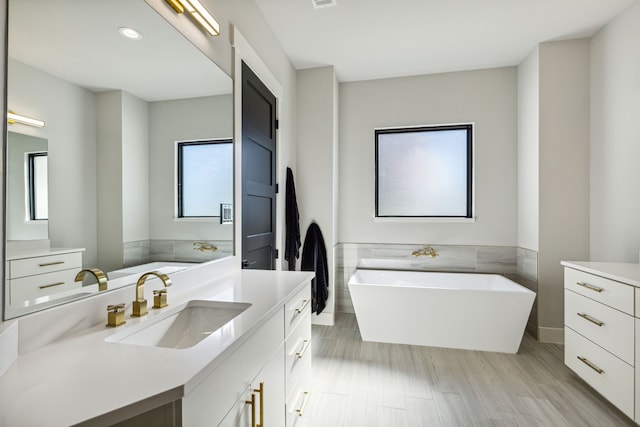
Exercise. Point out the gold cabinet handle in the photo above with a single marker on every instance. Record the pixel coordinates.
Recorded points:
(48, 264)
(252, 402)
(590, 364)
(590, 319)
(261, 391)
(305, 346)
(305, 399)
(304, 305)
(590, 287)
(51, 285)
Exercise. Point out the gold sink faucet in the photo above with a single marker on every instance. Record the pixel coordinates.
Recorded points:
(99, 275)
(204, 246)
(426, 251)
(159, 299)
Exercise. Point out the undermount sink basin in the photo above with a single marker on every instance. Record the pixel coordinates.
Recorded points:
(185, 328)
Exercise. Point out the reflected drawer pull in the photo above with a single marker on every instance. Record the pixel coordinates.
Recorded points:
(51, 285)
(304, 305)
(305, 346)
(591, 365)
(590, 319)
(48, 264)
(304, 402)
(591, 287)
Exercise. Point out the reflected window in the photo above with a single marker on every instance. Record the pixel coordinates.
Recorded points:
(38, 192)
(205, 177)
(424, 171)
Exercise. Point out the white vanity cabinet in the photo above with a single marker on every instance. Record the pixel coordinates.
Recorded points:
(30, 276)
(297, 355)
(244, 369)
(601, 334)
(273, 366)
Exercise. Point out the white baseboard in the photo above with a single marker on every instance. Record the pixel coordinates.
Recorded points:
(551, 335)
(325, 319)
(8, 344)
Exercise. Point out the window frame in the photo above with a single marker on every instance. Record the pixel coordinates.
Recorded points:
(179, 176)
(31, 184)
(469, 198)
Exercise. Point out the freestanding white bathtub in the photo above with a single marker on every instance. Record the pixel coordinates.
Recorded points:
(486, 312)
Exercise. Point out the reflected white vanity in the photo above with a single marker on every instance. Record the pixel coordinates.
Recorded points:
(35, 275)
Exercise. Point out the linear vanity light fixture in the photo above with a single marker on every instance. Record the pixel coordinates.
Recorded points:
(13, 118)
(198, 12)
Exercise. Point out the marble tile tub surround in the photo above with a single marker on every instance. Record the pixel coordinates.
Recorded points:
(518, 264)
(144, 251)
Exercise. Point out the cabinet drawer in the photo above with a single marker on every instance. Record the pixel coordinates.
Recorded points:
(298, 349)
(609, 292)
(298, 397)
(44, 264)
(295, 309)
(31, 287)
(609, 328)
(607, 374)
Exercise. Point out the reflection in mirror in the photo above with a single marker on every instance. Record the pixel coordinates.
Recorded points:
(115, 110)
(27, 199)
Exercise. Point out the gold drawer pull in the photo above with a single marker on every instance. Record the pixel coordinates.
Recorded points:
(590, 319)
(591, 365)
(304, 305)
(252, 402)
(590, 287)
(49, 264)
(261, 391)
(306, 395)
(305, 346)
(51, 285)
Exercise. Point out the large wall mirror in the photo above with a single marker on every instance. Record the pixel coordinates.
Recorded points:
(101, 184)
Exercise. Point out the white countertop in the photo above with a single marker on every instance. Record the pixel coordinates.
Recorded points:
(32, 253)
(628, 273)
(84, 377)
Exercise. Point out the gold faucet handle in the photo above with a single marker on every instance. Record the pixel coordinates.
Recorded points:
(115, 315)
(160, 298)
(115, 308)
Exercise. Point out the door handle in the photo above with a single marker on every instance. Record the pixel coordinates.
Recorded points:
(247, 264)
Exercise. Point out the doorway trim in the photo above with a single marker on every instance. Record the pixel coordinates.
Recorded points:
(242, 51)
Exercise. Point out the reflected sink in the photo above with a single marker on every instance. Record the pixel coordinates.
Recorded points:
(185, 328)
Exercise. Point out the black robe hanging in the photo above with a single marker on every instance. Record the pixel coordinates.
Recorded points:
(292, 224)
(314, 258)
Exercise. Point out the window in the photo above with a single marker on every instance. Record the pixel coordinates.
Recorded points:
(38, 192)
(205, 177)
(424, 171)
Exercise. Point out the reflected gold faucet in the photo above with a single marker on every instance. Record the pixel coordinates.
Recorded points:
(160, 296)
(99, 275)
(426, 251)
(204, 246)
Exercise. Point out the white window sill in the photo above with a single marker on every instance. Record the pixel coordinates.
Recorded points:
(424, 219)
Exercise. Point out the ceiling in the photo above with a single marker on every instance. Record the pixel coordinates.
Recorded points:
(373, 39)
(78, 41)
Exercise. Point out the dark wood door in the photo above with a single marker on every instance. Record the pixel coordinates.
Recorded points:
(258, 173)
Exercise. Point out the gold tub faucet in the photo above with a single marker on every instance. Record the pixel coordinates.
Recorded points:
(204, 246)
(99, 275)
(159, 299)
(426, 251)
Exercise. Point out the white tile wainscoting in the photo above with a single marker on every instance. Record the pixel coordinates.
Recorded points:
(518, 264)
(144, 251)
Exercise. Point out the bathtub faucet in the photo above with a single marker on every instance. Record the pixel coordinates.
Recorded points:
(426, 251)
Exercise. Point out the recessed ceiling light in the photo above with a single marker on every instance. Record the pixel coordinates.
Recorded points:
(130, 33)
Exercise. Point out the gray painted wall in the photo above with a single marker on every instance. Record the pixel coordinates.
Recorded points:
(615, 139)
(485, 97)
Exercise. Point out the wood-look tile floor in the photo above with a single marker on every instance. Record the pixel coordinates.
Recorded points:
(360, 383)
